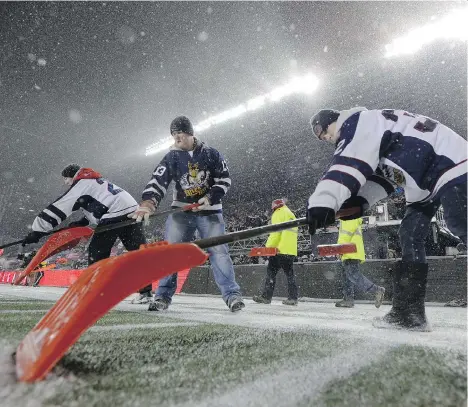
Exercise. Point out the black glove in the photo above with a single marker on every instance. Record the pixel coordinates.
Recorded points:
(33, 237)
(319, 217)
(359, 203)
(79, 223)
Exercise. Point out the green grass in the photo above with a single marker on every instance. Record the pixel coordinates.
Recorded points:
(184, 364)
(26, 306)
(408, 376)
(180, 363)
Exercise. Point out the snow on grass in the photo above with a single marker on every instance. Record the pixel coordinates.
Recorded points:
(298, 379)
(407, 376)
(25, 306)
(14, 394)
(199, 354)
(163, 366)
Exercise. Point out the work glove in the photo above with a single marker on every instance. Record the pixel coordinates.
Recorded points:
(204, 203)
(32, 237)
(356, 202)
(79, 223)
(144, 211)
(319, 217)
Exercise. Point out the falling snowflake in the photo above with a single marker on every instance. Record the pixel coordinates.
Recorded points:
(126, 35)
(41, 62)
(203, 36)
(31, 57)
(75, 116)
(37, 87)
(325, 48)
(209, 10)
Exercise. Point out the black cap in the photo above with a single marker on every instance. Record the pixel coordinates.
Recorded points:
(70, 170)
(182, 123)
(322, 119)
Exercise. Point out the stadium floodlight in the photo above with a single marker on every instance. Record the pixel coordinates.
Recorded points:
(255, 103)
(305, 85)
(452, 26)
(161, 145)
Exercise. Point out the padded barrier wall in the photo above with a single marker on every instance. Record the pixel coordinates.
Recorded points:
(447, 279)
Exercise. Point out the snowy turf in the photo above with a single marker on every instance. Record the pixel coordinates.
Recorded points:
(199, 354)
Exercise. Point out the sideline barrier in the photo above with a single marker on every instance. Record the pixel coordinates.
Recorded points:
(447, 279)
(65, 278)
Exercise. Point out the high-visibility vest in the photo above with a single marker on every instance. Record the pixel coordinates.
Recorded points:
(286, 240)
(351, 232)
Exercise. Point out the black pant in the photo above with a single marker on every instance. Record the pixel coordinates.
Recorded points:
(416, 223)
(100, 247)
(285, 262)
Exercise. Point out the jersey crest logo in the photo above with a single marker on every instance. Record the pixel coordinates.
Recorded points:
(195, 181)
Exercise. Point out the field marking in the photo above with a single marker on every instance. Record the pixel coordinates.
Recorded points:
(23, 311)
(127, 327)
(296, 380)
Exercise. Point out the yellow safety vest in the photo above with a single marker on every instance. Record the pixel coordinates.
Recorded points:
(351, 232)
(286, 240)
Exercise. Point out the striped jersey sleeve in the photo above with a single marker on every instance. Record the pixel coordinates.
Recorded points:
(161, 178)
(355, 161)
(221, 178)
(58, 210)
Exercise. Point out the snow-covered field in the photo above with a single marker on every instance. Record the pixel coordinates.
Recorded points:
(199, 354)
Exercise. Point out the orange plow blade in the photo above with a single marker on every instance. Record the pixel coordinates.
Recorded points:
(97, 290)
(336, 249)
(60, 241)
(263, 251)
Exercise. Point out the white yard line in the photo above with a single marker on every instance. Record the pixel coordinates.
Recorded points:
(23, 311)
(296, 381)
(127, 327)
(449, 324)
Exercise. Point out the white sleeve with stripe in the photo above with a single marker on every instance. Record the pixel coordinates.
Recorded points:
(355, 160)
(59, 210)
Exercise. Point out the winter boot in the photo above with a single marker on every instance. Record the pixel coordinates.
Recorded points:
(235, 303)
(456, 303)
(409, 291)
(142, 298)
(261, 299)
(379, 296)
(289, 301)
(159, 304)
(345, 304)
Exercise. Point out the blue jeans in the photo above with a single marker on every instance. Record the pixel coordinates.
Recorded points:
(181, 227)
(353, 278)
(416, 223)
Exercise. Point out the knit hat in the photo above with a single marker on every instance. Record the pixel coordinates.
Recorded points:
(70, 170)
(277, 203)
(321, 120)
(181, 123)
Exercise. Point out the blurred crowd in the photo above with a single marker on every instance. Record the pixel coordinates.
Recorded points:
(236, 217)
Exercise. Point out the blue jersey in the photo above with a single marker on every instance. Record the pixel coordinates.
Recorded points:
(198, 173)
(380, 149)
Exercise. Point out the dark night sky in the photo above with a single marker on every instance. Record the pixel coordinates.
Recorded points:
(95, 83)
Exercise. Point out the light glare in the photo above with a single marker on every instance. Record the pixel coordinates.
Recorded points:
(301, 85)
(452, 26)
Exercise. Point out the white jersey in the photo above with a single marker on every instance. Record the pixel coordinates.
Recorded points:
(416, 152)
(97, 198)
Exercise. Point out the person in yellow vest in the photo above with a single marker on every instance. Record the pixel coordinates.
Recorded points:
(36, 276)
(351, 232)
(286, 243)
